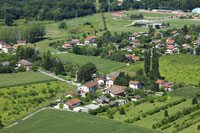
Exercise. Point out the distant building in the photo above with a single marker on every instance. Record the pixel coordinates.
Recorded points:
(21, 42)
(117, 90)
(26, 64)
(196, 10)
(135, 84)
(90, 40)
(73, 103)
(67, 46)
(88, 87)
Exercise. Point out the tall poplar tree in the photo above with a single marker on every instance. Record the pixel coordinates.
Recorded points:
(155, 65)
(147, 62)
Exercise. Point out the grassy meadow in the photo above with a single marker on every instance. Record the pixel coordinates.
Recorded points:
(23, 78)
(51, 121)
(17, 102)
(180, 68)
(103, 65)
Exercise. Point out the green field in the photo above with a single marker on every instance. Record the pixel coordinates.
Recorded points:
(180, 68)
(54, 121)
(187, 92)
(22, 78)
(180, 22)
(103, 65)
(146, 14)
(19, 101)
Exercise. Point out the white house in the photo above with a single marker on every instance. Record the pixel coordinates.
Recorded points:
(174, 33)
(88, 87)
(7, 49)
(160, 82)
(100, 81)
(67, 46)
(110, 82)
(172, 49)
(90, 40)
(135, 84)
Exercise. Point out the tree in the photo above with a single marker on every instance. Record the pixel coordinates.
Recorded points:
(147, 62)
(62, 25)
(198, 127)
(59, 68)
(85, 72)
(185, 29)
(1, 123)
(166, 113)
(46, 61)
(122, 80)
(198, 50)
(9, 20)
(122, 111)
(61, 105)
(194, 101)
(155, 65)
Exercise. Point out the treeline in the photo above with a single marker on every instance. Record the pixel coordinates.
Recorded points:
(30, 34)
(145, 4)
(45, 9)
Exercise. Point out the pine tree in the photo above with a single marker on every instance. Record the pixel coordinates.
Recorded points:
(166, 113)
(59, 68)
(185, 29)
(147, 62)
(155, 65)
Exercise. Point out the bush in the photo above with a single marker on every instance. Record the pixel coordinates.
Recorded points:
(122, 111)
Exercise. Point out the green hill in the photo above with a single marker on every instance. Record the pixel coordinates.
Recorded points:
(54, 121)
(176, 68)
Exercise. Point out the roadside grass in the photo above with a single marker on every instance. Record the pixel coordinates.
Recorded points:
(50, 121)
(180, 68)
(23, 78)
(103, 65)
(17, 102)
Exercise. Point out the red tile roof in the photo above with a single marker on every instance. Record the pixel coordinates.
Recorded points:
(171, 47)
(174, 32)
(134, 82)
(67, 45)
(170, 41)
(90, 38)
(157, 32)
(159, 81)
(73, 101)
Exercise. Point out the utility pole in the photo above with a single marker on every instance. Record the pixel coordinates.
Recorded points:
(76, 15)
(109, 6)
(19, 35)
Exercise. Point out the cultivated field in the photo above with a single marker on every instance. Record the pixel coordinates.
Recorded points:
(23, 78)
(51, 121)
(16, 102)
(180, 68)
(103, 65)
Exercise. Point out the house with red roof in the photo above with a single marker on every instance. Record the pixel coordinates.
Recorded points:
(163, 83)
(73, 103)
(157, 33)
(21, 42)
(135, 84)
(174, 33)
(160, 82)
(160, 46)
(171, 42)
(172, 49)
(88, 87)
(67, 46)
(7, 49)
(90, 40)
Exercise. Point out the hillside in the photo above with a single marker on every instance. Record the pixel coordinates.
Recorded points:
(51, 121)
(176, 68)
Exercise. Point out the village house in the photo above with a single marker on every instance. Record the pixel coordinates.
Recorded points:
(21, 42)
(7, 49)
(135, 84)
(117, 90)
(168, 86)
(172, 49)
(137, 35)
(112, 75)
(136, 43)
(90, 40)
(136, 98)
(160, 82)
(25, 63)
(174, 33)
(74, 42)
(100, 81)
(2, 45)
(160, 46)
(128, 49)
(73, 93)
(157, 41)
(197, 42)
(67, 46)
(186, 46)
(187, 37)
(171, 42)
(73, 103)
(88, 87)
(102, 99)
(6, 63)
(157, 33)
(110, 82)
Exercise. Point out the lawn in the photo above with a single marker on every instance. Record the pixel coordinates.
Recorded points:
(51, 121)
(20, 101)
(23, 78)
(180, 68)
(148, 14)
(187, 92)
(103, 65)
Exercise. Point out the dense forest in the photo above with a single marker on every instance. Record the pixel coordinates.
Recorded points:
(45, 9)
(64, 9)
(145, 4)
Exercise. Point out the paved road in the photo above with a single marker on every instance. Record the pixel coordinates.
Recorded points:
(58, 78)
